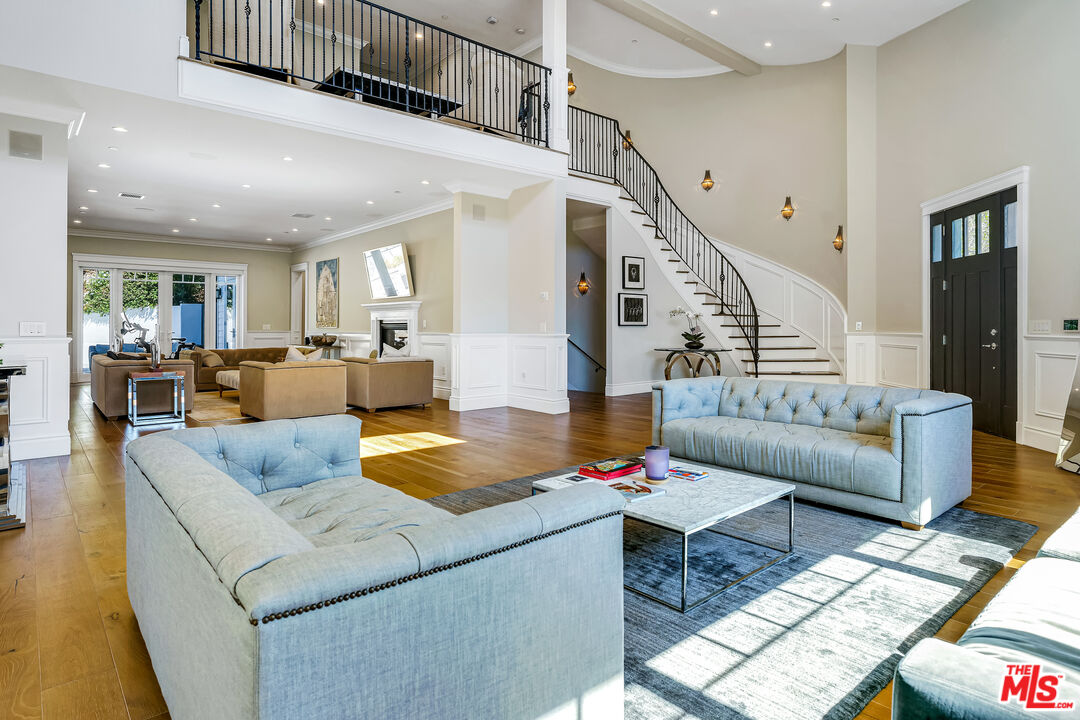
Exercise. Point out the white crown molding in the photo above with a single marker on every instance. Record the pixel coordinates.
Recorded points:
(1004, 181)
(475, 188)
(385, 222)
(71, 117)
(528, 46)
(575, 52)
(174, 240)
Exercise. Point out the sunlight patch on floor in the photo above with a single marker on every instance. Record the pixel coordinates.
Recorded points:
(403, 442)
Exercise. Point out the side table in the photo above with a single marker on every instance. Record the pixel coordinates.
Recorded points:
(136, 379)
(710, 356)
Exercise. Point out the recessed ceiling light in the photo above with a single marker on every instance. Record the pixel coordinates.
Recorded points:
(176, 229)
(328, 219)
(714, 11)
(90, 190)
(370, 202)
(193, 219)
(119, 128)
(77, 221)
(492, 20)
(519, 30)
(104, 166)
(112, 147)
(768, 44)
(216, 205)
(269, 239)
(82, 212)
(836, 19)
(246, 186)
(287, 158)
(826, 3)
(425, 182)
(83, 207)
(295, 230)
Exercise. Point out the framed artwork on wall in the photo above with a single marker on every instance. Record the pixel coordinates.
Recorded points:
(633, 309)
(326, 293)
(633, 273)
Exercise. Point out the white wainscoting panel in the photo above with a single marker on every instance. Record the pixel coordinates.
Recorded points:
(861, 359)
(807, 314)
(538, 373)
(519, 370)
(1050, 369)
(899, 359)
(354, 344)
(267, 339)
(40, 399)
(437, 347)
(767, 284)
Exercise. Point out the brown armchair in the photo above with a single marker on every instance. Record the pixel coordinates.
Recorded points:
(108, 386)
(270, 391)
(389, 382)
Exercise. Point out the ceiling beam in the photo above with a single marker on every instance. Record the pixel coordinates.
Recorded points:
(654, 18)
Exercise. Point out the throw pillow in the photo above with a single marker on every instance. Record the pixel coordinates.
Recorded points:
(212, 359)
(314, 355)
(391, 351)
(293, 354)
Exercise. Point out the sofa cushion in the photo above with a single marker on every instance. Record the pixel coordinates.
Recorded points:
(212, 360)
(1034, 616)
(1065, 542)
(848, 461)
(343, 510)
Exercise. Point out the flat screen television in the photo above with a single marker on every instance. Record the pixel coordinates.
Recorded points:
(388, 272)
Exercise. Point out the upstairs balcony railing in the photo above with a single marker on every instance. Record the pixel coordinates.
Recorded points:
(599, 148)
(369, 53)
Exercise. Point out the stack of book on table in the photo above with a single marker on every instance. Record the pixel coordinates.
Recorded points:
(622, 474)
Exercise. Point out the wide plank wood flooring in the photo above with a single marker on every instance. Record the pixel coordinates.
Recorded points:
(70, 647)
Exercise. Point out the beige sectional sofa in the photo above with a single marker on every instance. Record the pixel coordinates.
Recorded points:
(206, 375)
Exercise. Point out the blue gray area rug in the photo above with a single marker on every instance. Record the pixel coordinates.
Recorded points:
(817, 635)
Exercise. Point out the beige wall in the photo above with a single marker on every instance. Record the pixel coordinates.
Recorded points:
(267, 278)
(983, 89)
(763, 137)
(429, 243)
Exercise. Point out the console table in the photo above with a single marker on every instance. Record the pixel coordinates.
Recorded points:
(12, 478)
(710, 356)
(136, 379)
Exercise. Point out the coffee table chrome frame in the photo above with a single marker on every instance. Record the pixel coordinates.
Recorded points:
(685, 607)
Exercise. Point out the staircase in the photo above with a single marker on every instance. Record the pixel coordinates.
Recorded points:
(762, 346)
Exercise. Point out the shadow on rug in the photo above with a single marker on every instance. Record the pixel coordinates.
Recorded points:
(815, 636)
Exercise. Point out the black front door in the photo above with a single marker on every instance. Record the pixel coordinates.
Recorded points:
(973, 308)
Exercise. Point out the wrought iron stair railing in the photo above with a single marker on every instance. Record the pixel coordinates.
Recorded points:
(599, 148)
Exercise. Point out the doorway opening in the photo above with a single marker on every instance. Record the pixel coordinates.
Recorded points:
(973, 307)
(297, 303)
(586, 296)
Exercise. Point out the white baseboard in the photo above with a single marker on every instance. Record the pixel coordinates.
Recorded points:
(1039, 438)
(442, 393)
(40, 447)
(477, 402)
(630, 388)
(536, 404)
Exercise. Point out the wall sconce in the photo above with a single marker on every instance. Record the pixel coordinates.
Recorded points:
(838, 241)
(627, 143)
(707, 182)
(788, 210)
(583, 284)
(571, 88)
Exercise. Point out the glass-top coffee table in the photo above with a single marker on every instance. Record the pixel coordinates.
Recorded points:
(688, 507)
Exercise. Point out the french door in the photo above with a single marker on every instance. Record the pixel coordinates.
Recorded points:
(973, 308)
(145, 299)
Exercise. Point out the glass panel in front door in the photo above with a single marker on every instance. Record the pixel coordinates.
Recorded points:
(225, 312)
(96, 306)
(188, 308)
(139, 310)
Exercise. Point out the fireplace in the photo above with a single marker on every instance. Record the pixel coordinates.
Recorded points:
(392, 333)
(396, 324)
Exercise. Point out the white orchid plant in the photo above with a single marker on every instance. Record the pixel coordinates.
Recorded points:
(693, 323)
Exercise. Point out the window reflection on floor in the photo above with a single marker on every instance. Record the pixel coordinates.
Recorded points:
(403, 442)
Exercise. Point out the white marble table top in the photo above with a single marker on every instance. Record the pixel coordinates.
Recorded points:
(686, 506)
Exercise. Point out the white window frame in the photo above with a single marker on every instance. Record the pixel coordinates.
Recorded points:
(165, 268)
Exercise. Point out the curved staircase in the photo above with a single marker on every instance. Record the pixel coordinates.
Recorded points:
(763, 346)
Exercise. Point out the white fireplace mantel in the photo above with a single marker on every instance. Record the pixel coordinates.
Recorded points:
(406, 311)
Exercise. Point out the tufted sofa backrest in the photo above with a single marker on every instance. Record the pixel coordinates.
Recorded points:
(280, 453)
(851, 408)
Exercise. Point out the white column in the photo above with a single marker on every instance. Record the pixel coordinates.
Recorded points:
(555, 58)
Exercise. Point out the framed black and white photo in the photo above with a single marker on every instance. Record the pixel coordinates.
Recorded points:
(633, 273)
(633, 309)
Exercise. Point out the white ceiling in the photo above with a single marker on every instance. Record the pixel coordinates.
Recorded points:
(184, 159)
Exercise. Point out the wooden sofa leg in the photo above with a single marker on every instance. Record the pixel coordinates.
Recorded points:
(911, 526)
(370, 410)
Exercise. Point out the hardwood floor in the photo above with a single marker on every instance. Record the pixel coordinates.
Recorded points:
(69, 644)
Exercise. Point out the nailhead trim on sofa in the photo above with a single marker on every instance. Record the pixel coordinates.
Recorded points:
(415, 576)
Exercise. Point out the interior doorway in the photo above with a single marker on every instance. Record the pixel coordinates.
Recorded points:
(586, 296)
(973, 307)
(297, 303)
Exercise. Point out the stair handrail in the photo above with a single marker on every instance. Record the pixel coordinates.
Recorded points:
(594, 160)
(581, 350)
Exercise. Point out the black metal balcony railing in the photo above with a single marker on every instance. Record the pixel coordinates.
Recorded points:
(599, 148)
(361, 50)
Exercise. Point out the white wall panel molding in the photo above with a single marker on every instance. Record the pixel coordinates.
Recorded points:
(519, 370)
(1052, 365)
(886, 359)
(266, 338)
(39, 414)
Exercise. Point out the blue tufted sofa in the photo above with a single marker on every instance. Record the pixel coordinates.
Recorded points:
(271, 580)
(892, 452)
(1033, 620)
